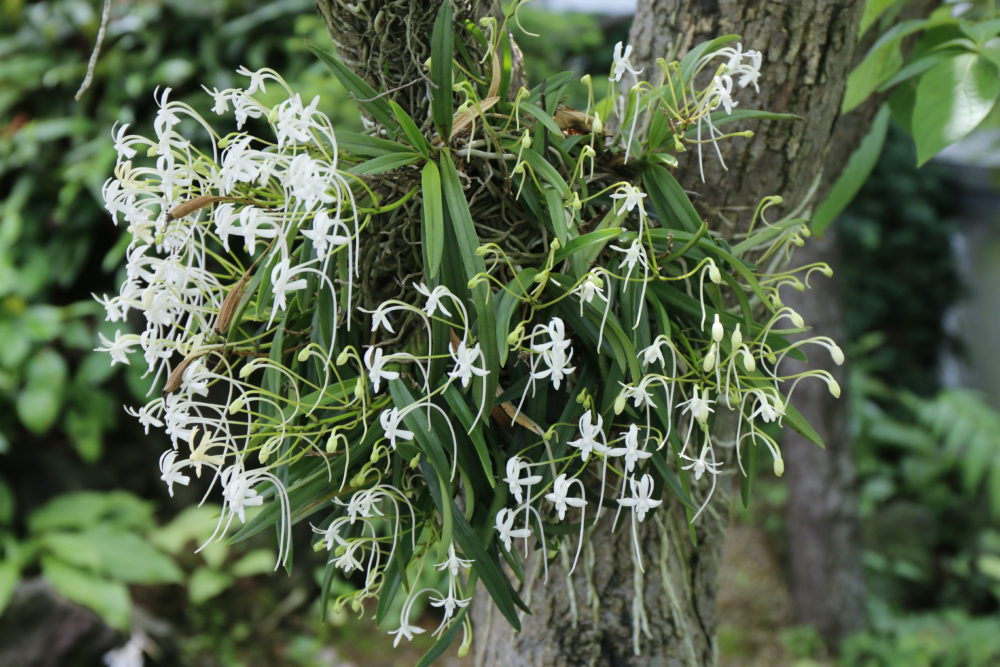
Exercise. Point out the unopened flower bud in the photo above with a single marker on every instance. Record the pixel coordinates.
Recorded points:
(713, 273)
(620, 403)
(836, 354)
(797, 319)
(748, 362)
(737, 338)
(415, 461)
(526, 140)
(597, 125)
(834, 387)
(303, 354)
(236, 405)
(779, 466)
(709, 364)
(514, 336)
(331, 442)
(717, 330)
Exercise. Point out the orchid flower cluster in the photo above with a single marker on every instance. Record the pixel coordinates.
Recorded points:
(549, 331)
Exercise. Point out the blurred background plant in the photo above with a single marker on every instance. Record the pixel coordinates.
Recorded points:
(72, 470)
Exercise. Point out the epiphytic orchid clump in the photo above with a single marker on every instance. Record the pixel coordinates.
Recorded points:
(433, 340)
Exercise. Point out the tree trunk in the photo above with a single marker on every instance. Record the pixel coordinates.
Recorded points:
(808, 50)
(388, 43)
(823, 525)
(609, 612)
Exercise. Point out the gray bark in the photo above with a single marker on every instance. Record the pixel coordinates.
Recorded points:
(40, 628)
(823, 526)
(808, 50)
(590, 618)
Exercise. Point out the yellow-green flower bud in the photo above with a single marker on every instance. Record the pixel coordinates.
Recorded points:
(713, 273)
(837, 354)
(717, 330)
(709, 363)
(834, 387)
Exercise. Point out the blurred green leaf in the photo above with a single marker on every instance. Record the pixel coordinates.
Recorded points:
(191, 527)
(858, 168)
(39, 402)
(258, 561)
(87, 508)
(953, 97)
(110, 599)
(205, 583)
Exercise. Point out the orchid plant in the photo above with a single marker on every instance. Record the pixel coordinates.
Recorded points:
(440, 340)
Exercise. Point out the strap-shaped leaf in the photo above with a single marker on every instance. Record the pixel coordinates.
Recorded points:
(365, 96)
(432, 229)
(384, 163)
(855, 174)
(463, 229)
(410, 129)
(669, 200)
(442, 48)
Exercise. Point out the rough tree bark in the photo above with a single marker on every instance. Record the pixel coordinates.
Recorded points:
(808, 49)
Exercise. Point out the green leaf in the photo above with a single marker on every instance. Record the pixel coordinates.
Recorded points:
(799, 424)
(10, 573)
(743, 115)
(108, 598)
(669, 200)
(882, 61)
(463, 229)
(7, 503)
(874, 9)
(410, 130)
(384, 163)
(953, 97)
(593, 241)
(690, 60)
(363, 145)
(858, 168)
(442, 48)
(205, 583)
(39, 402)
(445, 640)
(192, 526)
(465, 416)
(258, 561)
(364, 95)
(130, 558)
(432, 230)
(542, 117)
(88, 508)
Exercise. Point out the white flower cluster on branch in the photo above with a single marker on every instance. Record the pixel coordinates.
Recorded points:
(344, 330)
